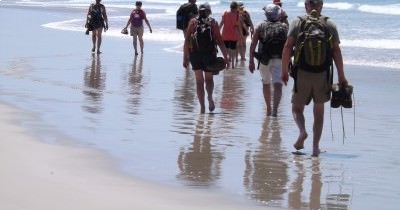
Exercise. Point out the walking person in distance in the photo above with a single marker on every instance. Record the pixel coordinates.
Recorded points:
(96, 21)
(270, 36)
(136, 21)
(200, 49)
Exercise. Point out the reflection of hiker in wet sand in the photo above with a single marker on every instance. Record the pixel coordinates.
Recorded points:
(96, 20)
(95, 82)
(136, 85)
(297, 188)
(136, 22)
(200, 48)
(317, 44)
(200, 164)
(266, 174)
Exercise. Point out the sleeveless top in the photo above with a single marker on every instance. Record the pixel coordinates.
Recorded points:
(230, 30)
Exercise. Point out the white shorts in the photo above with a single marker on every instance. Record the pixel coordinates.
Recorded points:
(271, 72)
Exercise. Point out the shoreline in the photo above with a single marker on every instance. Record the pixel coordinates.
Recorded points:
(37, 175)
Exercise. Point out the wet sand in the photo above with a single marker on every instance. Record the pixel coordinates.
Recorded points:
(138, 120)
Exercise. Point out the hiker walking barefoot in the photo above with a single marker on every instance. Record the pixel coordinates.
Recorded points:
(96, 21)
(312, 61)
(231, 25)
(201, 50)
(270, 36)
(136, 21)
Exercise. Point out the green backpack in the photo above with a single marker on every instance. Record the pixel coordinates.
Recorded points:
(313, 49)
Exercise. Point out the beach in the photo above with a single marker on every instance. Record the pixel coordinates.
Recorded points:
(115, 131)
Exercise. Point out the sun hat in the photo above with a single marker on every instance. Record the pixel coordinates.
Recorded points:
(272, 12)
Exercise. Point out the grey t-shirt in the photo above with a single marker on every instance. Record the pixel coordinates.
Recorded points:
(294, 29)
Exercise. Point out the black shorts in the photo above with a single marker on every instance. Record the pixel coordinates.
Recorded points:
(230, 44)
(200, 61)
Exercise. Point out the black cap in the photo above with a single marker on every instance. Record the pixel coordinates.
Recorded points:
(138, 3)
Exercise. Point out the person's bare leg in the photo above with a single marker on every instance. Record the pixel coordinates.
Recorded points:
(94, 35)
(141, 43)
(298, 116)
(317, 127)
(267, 97)
(99, 32)
(200, 89)
(277, 98)
(135, 43)
(243, 49)
(210, 88)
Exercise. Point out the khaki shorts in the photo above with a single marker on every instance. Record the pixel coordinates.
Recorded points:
(313, 86)
(271, 72)
(137, 31)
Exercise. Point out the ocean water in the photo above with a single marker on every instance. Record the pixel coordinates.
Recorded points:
(143, 111)
(369, 30)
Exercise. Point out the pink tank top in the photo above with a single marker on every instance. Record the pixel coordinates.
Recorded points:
(230, 30)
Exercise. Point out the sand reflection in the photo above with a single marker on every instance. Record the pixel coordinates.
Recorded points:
(136, 85)
(266, 175)
(199, 164)
(94, 81)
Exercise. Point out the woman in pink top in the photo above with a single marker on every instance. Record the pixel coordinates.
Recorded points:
(136, 21)
(231, 30)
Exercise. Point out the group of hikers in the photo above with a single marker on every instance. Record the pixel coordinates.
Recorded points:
(306, 49)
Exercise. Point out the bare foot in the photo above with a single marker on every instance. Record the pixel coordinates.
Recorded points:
(316, 153)
(211, 105)
(202, 110)
(269, 111)
(300, 141)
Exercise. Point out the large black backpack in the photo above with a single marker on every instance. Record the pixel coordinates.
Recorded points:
(202, 39)
(273, 37)
(313, 49)
(183, 15)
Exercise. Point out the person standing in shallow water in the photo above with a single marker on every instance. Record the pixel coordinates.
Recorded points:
(309, 83)
(136, 21)
(96, 21)
(200, 48)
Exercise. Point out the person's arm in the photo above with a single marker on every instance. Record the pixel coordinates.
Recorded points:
(251, 24)
(147, 22)
(186, 43)
(240, 26)
(221, 24)
(286, 55)
(337, 57)
(87, 16)
(253, 45)
(105, 17)
(220, 42)
(129, 21)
